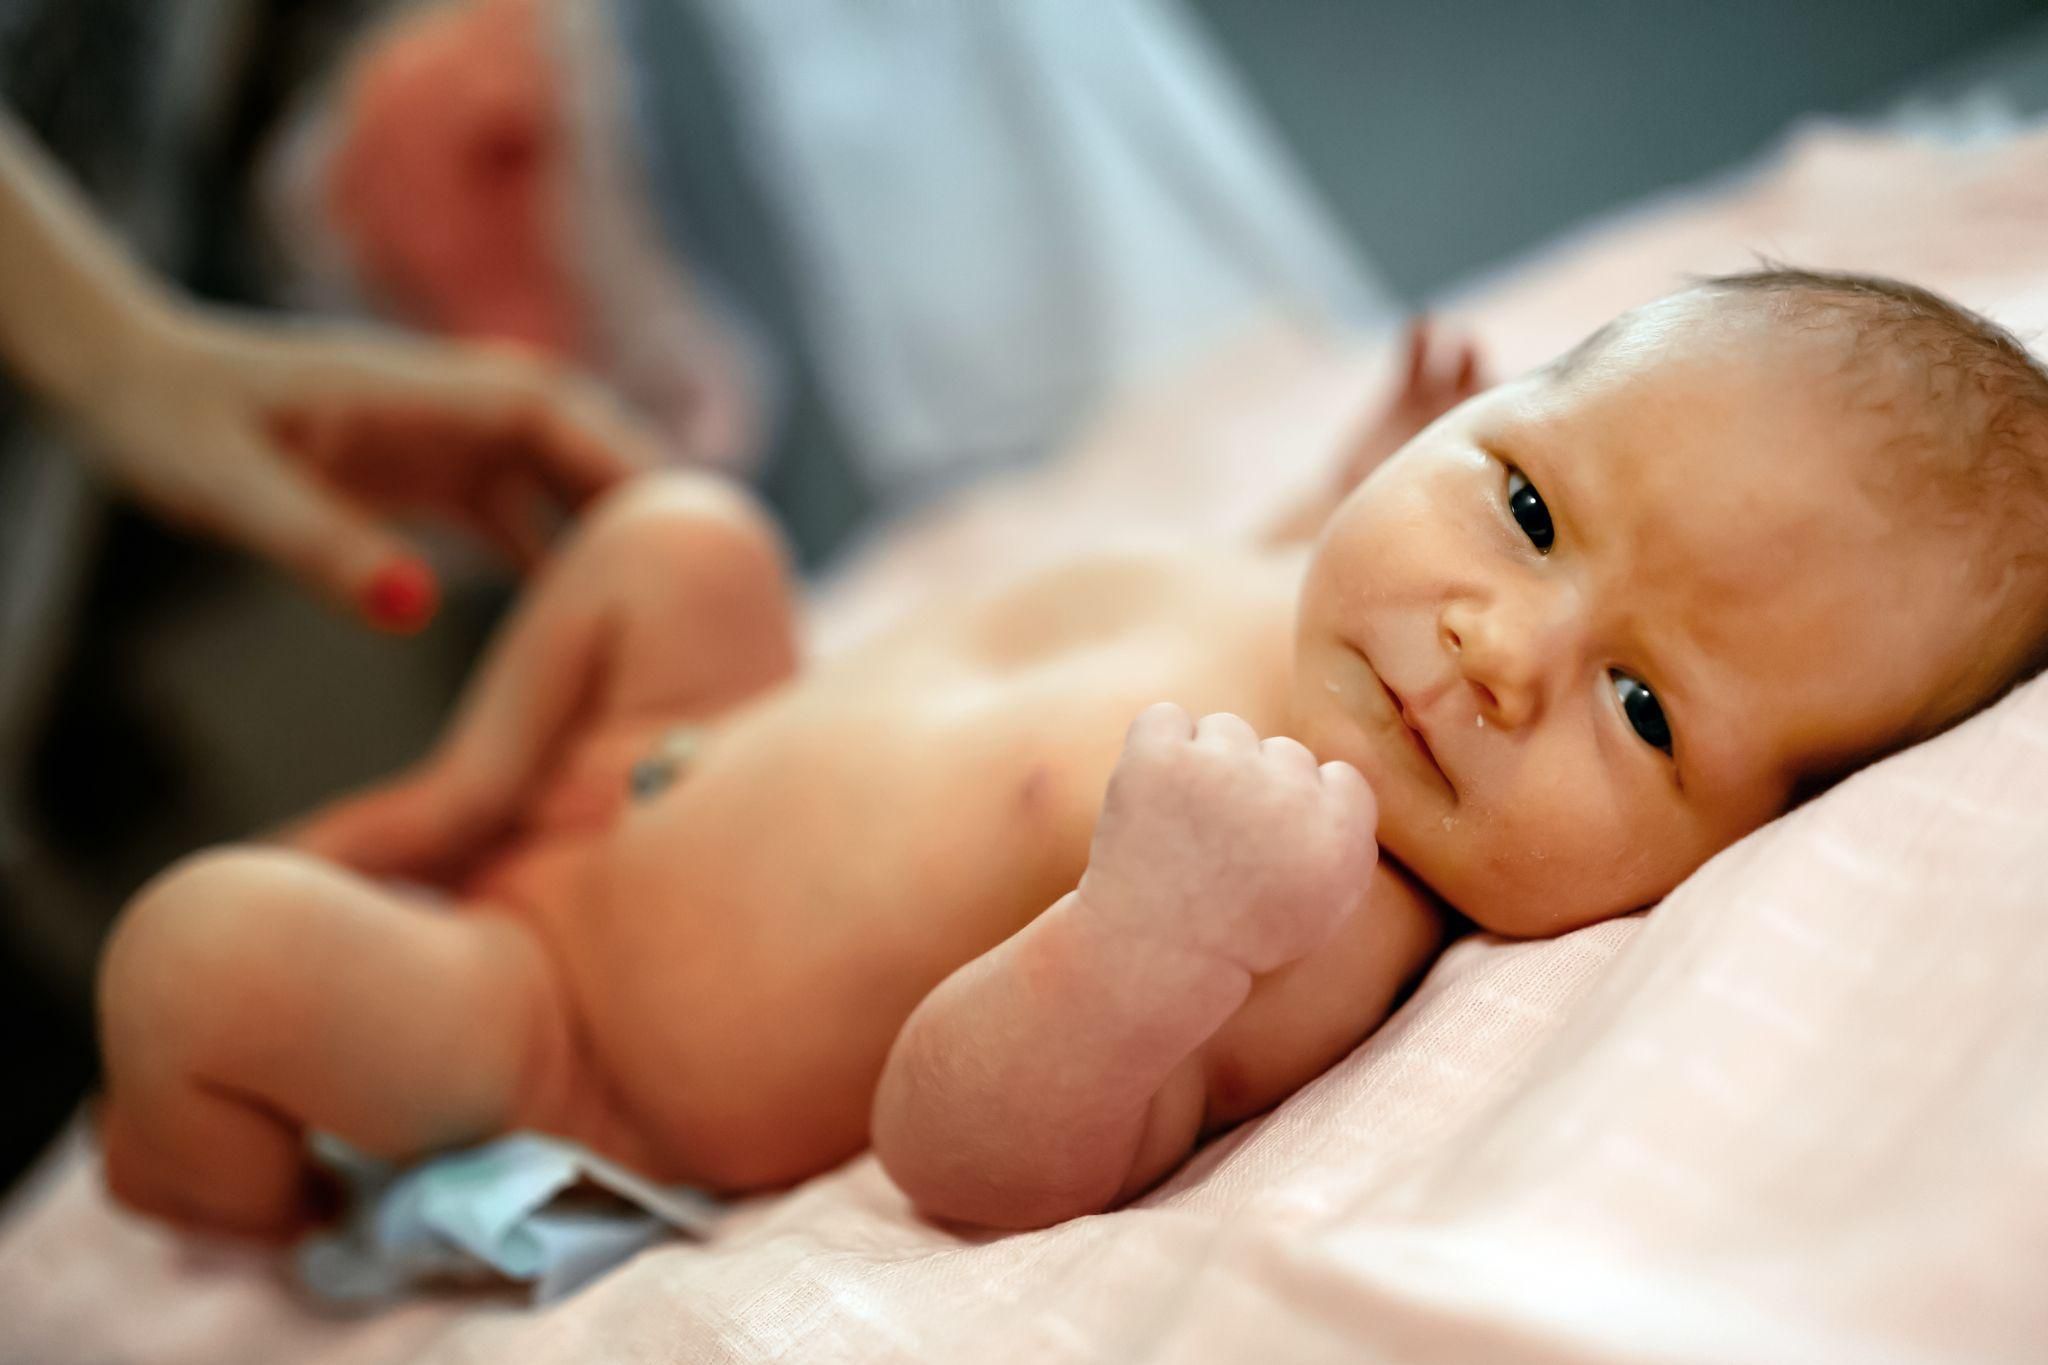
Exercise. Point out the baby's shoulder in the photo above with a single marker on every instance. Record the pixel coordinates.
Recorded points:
(1169, 570)
(1197, 596)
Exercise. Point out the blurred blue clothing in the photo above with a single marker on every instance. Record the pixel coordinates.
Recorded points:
(990, 216)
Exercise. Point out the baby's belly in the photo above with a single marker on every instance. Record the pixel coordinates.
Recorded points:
(744, 944)
(542, 873)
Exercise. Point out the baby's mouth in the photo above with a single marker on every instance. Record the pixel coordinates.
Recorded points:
(1411, 724)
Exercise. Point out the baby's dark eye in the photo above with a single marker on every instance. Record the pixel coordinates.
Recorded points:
(1639, 704)
(1526, 506)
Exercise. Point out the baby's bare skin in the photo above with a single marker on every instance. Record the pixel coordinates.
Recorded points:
(721, 969)
(892, 886)
(707, 982)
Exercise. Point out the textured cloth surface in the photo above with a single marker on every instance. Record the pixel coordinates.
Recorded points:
(1794, 1113)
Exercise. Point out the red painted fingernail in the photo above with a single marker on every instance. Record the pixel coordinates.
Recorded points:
(402, 596)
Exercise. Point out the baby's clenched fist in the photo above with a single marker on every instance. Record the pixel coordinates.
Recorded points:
(1213, 839)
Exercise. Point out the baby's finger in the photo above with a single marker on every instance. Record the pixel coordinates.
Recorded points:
(1288, 752)
(1468, 378)
(1349, 786)
(1160, 723)
(1415, 341)
(1222, 730)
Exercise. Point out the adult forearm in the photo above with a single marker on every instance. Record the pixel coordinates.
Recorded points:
(74, 306)
(1054, 1074)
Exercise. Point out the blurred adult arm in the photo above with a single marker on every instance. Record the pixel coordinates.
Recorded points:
(297, 440)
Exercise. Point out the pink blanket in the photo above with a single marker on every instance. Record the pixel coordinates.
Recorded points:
(1796, 1112)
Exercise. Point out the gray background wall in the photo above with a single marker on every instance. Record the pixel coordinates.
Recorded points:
(1448, 135)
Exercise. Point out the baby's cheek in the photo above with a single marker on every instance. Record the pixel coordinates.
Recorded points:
(1536, 870)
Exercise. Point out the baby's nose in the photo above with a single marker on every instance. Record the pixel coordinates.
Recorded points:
(1503, 656)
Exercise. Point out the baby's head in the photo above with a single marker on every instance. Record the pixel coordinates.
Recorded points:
(1736, 544)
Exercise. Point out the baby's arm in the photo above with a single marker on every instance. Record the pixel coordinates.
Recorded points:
(1437, 374)
(1069, 1068)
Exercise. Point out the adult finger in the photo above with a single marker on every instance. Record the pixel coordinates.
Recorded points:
(590, 442)
(513, 514)
(578, 437)
(327, 543)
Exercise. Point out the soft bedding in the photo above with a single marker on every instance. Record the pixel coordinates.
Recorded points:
(1795, 1112)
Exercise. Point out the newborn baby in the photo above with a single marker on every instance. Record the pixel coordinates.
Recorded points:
(728, 923)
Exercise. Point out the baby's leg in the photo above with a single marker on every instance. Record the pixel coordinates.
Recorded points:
(248, 995)
(672, 599)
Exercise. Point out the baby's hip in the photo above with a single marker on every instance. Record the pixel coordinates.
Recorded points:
(546, 886)
(718, 1049)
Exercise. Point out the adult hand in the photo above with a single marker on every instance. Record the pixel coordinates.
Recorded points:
(301, 440)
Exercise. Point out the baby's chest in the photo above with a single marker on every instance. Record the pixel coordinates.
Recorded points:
(930, 794)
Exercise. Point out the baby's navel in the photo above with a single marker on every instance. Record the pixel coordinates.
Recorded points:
(653, 775)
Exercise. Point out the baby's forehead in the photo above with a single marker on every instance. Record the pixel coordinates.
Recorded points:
(1684, 419)
(1885, 384)
(1733, 337)
(1784, 435)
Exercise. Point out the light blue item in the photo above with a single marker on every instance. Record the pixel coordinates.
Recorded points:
(995, 214)
(518, 1208)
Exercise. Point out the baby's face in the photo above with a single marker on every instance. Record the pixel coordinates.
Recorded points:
(1623, 614)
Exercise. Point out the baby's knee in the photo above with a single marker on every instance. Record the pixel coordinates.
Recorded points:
(698, 516)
